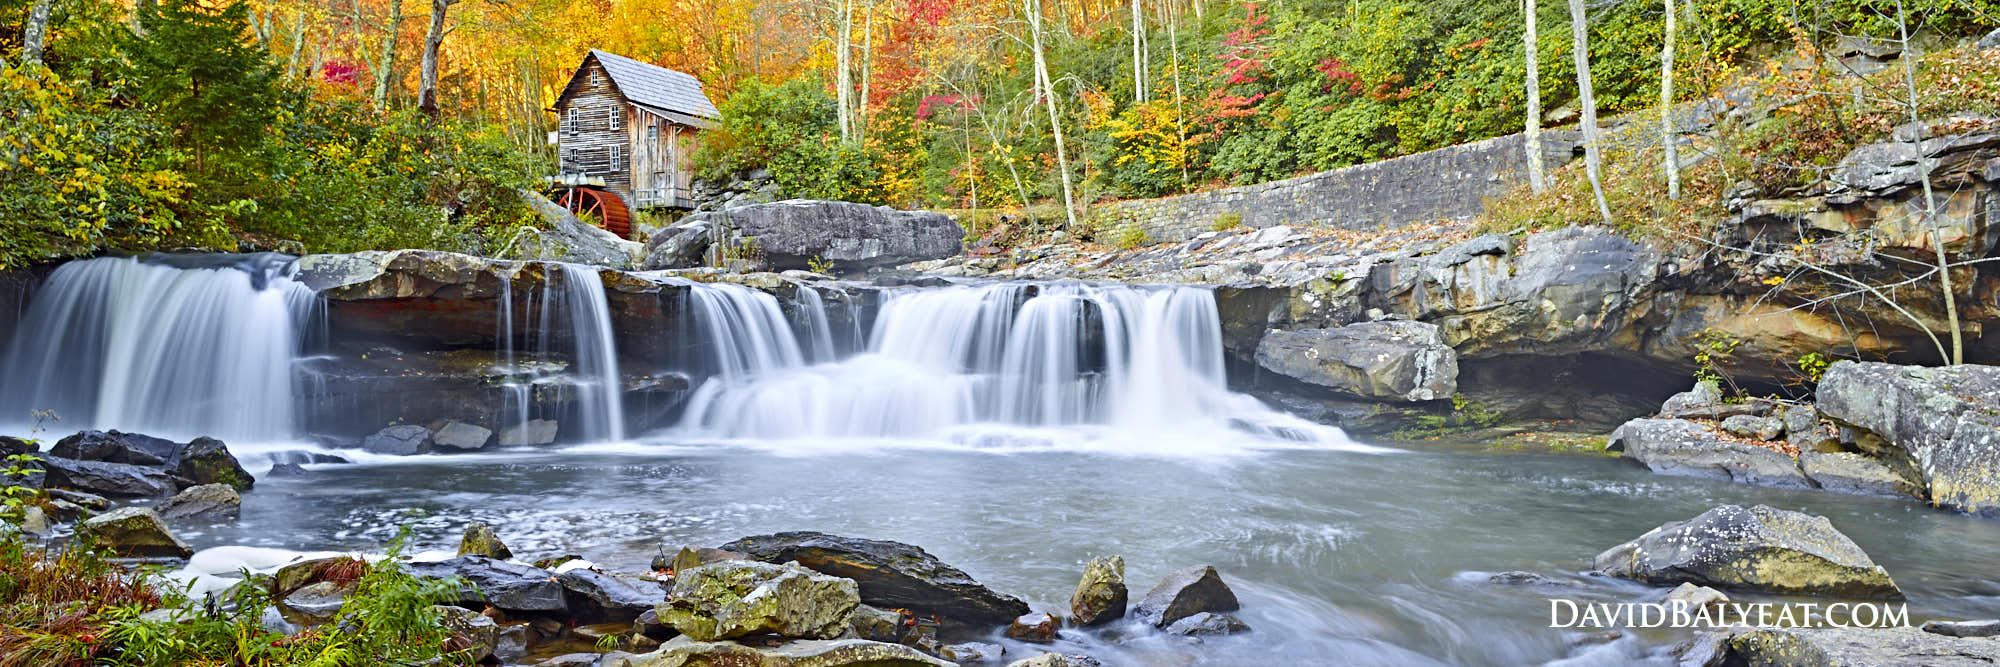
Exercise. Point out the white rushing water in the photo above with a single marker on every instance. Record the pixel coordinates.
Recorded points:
(1012, 365)
(569, 318)
(176, 346)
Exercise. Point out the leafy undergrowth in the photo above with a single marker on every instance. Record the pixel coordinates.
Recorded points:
(75, 606)
(1817, 118)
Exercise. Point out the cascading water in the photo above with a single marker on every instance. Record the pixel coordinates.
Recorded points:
(574, 322)
(172, 345)
(996, 364)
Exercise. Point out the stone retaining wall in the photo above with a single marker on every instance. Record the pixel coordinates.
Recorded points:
(1448, 183)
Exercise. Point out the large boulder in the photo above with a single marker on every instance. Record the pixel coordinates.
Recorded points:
(564, 238)
(1757, 548)
(135, 532)
(460, 436)
(117, 447)
(400, 440)
(1856, 647)
(211, 503)
(1692, 449)
(116, 480)
(792, 234)
(1944, 422)
(1848, 472)
(199, 461)
(507, 585)
(1101, 595)
(737, 598)
(1185, 593)
(481, 540)
(892, 575)
(610, 597)
(687, 652)
(1389, 360)
(207, 461)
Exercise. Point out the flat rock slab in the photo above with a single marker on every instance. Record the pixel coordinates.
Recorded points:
(686, 652)
(1859, 647)
(1756, 548)
(1690, 449)
(892, 575)
(509, 586)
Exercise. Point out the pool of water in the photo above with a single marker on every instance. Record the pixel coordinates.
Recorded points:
(1340, 556)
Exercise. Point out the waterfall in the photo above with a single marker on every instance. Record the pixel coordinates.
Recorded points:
(972, 363)
(575, 309)
(170, 345)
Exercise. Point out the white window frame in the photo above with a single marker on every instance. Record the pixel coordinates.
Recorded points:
(615, 156)
(612, 117)
(570, 119)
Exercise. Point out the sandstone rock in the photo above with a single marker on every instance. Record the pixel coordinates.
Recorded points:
(402, 440)
(972, 652)
(1750, 426)
(1858, 647)
(135, 532)
(317, 602)
(1101, 596)
(736, 598)
(460, 436)
(480, 540)
(564, 238)
(1692, 596)
(34, 521)
(790, 234)
(892, 575)
(1036, 627)
(1057, 660)
(876, 624)
(531, 432)
(1968, 629)
(1848, 472)
(688, 558)
(509, 586)
(207, 502)
(688, 652)
(597, 595)
(1757, 548)
(1389, 360)
(472, 632)
(1689, 449)
(1185, 593)
(1207, 623)
(1944, 421)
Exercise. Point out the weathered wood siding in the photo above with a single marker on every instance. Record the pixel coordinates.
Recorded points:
(592, 142)
(661, 165)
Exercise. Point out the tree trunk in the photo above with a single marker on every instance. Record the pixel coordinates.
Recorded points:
(1138, 54)
(1048, 91)
(1673, 163)
(1537, 173)
(1930, 210)
(1180, 113)
(1593, 136)
(386, 72)
(299, 42)
(37, 31)
(434, 38)
(139, 11)
(843, 76)
(867, 71)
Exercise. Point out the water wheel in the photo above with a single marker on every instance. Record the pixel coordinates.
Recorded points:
(603, 206)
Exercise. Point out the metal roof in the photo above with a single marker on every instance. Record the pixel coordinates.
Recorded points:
(656, 86)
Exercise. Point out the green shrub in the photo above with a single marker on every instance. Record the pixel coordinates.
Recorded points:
(788, 129)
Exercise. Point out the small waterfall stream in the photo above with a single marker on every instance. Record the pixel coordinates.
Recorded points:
(173, 345)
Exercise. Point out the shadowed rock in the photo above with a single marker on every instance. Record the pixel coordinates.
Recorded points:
(687, 652)
(891, 575)
(1185, 593)
(135, 532)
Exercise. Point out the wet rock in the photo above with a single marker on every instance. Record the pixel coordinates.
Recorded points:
(1036, 627)
(1058, 660)
(117, 480)
(211, 503)
(117, 447)
(972, 652)
(876, 624)
(736, 598)
(33, 521)
(1524, 578)
(286, 470)
(1185, 593)
(402, 440)
(1751, 426)
(688, 558)
(1101, 596)
(509, 586)
(471, 632)
(480, 540)
(1848, 472)
(791, 234)
(208, 461)
(1689, 449)
(610, 597)
(135, 532)
(302, 457)
(461, 437)
(582, 660)
(293, 576)
(1388, 360)
(531, 432)
(1858, 647)
(87, 500)
(892, 575)
(1208, 623)
(688, 652)
(510, 643)
(1967, 629)
(1944, 421)
(317, 602)
(1692, 596)
(10, 445)
(1757, 548)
